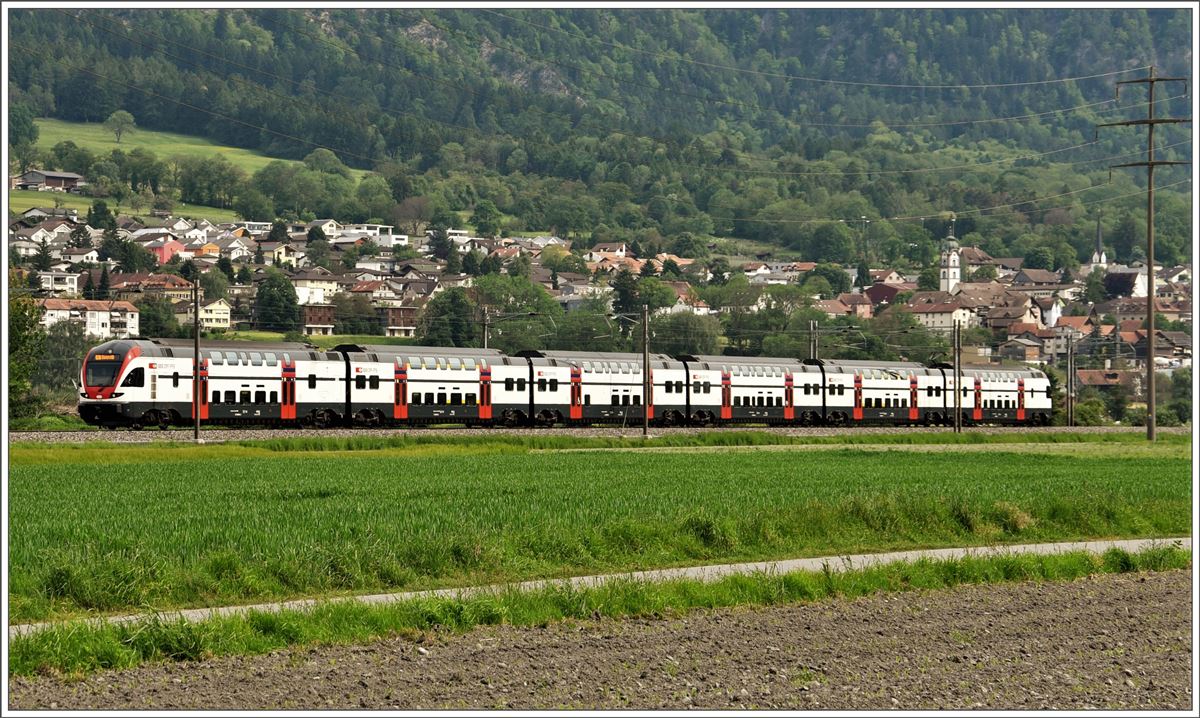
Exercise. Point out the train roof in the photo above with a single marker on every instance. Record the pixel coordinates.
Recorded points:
(555, 357)
(415, 350)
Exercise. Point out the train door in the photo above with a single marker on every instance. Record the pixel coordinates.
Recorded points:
(485, 391)
(977, 414)
(576, 411)
(858, 403)
(726, 396)
(912, 398)
(287, 389)
(1020, 400)
(789, 407)
(400, 391)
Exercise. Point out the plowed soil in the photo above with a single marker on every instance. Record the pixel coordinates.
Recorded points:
(1110, 642)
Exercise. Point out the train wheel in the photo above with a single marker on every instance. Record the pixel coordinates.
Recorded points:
(511, 418)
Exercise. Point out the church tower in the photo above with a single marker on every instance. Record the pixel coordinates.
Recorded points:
(1099, 260)
(951, 264)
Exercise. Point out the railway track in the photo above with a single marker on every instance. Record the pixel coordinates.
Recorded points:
(249, 434)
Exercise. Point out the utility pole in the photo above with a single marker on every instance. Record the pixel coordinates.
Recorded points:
(196, 359)
(486, 317)
(1149, 164)
(646, 385)
(957, 377)
(1070, 380)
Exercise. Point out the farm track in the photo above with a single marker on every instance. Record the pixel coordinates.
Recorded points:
(221, 435)
(1109, 642)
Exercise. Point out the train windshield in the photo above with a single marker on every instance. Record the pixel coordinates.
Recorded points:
(102, 373)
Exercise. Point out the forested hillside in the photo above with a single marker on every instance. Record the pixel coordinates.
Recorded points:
(658, 126)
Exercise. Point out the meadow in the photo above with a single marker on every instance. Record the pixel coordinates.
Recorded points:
(93, 137)
(20, 200)
(104, 529)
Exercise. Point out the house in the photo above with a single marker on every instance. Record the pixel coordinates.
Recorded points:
(942, 316)
(50, 180)
(859, 304)
(132, 287)
(599, 250)
(100, 318)
(1109, 379)
(1002, 317)
(885, 276)
(753, 269)
(1020, 349)
(37, 214)
(318, 319)
(1121, 281)
(60, 283)
(214, 315)
(164, 248)
(329, 227)
(886, 293)
(80, 255)
(832, 307)
(234, 248)
(315, 285)
(398, 321)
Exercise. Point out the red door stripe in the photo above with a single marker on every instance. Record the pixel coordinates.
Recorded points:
(978, 413)
(912, 398)
(1020, 400)
(485, 393)
(789, 408)
(726, 392)
(858, 412)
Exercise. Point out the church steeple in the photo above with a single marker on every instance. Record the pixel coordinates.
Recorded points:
(1098, 256)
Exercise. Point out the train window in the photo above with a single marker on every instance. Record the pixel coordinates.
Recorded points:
(587, 399)
(137, 377)
(231, 397)
(455, 363)
(807, 389)
(737, 401)
(175, 380)
(429, 397)
(554, 385)
(216, 397)
(509, 384)
(287, 358)
(468, 363)
(416, 398)
(269, 358)
(260, 397)
(243, 357)
(624, 400)
(374, 382)
(214, 357)
(541, 385)
(779, 401)
(244, 397)
(455, 398)
(256, 358)
(616, 400)
(708, 387)
(360, 382)
(312, 381)
(679, 386)
(637, 399)
(274, 397)
(470, 400)
(520, 385)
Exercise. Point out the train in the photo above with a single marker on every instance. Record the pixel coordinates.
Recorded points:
(140, 383)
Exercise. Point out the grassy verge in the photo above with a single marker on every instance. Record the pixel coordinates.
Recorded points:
(20, 200)
(103, 530)
(49, 422)
(78, 649)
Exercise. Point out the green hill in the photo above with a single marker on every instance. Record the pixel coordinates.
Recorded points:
(93, 137)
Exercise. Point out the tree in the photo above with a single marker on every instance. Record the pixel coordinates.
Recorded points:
(188, 270)
(863, 277)
(89, 287)
(26, 339)
(1093, 288)
(647, 269)
(22, 131)
(275, 305)
(103, 290)
(655, 294)
(43, 259)
(719, 267)
(625, 292)
(318, 252)
(491, 264)
(215, 284)
(278, 232)
(251, 204)
(671, 270)
(454, 262)
(226, 266)
(928, 280)
(119, 123)
(839, 281)
(353, 314)
(471, 262)
(486, 218)
(519, 266)
(100, 217)
(415, 211)
(244, 275)
(448, 320)
(985, 273)
(315, 234)
(156, 317)
(258, 253)
(685, 333)
(1039, 258)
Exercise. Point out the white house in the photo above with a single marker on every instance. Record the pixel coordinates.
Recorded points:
(100, 318)
(60, 283)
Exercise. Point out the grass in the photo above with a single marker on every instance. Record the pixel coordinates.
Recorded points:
(102, 529)
(93, 137)
(20, 200)
(77, 649)
(49, 422)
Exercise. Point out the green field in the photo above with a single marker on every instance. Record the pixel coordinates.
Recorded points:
(76, 649)
(20, 200)
(120, 528)
(92, 136)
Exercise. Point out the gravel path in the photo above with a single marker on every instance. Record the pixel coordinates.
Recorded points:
(711, 572)
(218, 435)
(1109, 642)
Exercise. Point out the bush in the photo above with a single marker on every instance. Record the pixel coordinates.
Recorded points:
(1091, 413)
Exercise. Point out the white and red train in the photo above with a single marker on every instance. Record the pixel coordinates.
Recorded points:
(148, 382)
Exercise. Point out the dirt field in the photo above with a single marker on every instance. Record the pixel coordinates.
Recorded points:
(1116, 641)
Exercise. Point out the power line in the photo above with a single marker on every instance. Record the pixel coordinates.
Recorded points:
(807, 78)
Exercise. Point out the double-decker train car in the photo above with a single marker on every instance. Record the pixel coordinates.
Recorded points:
(149, 382)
